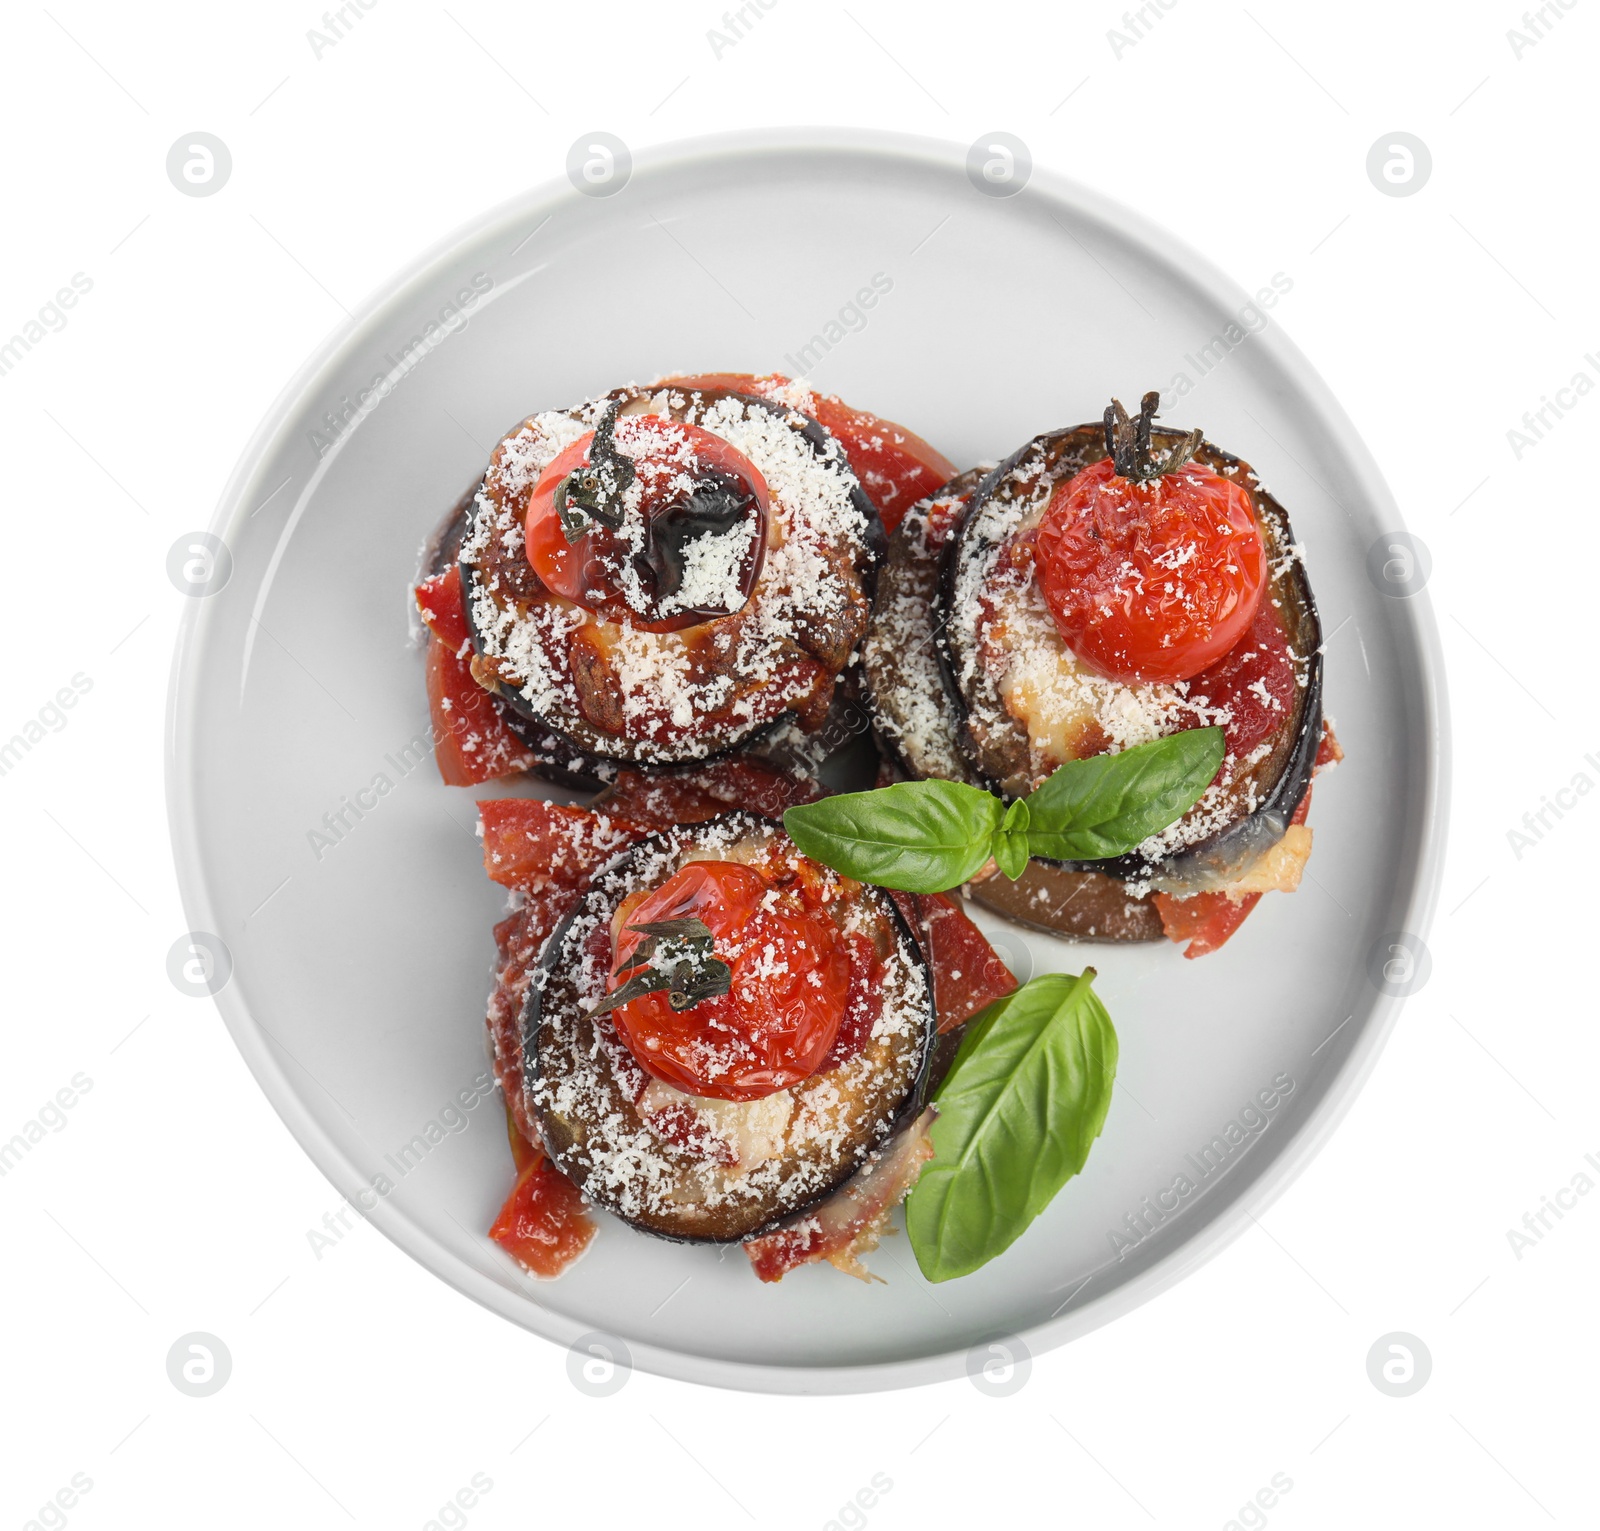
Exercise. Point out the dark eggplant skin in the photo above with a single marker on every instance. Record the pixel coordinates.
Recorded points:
(998, 756)
(576, 738)
(443, 548)
(566, 1058)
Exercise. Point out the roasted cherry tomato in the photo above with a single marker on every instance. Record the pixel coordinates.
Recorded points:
(791, 979)
(1150, 579)
(691, 551)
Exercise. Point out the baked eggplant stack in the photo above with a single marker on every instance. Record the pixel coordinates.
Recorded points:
(1105, 586)
(708, 1035)
(659, 577)
(811, 1038)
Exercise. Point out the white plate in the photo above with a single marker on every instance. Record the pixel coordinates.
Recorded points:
(359, 974)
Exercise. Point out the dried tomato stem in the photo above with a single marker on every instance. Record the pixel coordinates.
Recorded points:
(686, 967)
(1128, 441)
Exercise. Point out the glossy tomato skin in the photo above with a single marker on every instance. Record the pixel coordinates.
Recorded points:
(791, 979)
(666, 454)
(1153, 579)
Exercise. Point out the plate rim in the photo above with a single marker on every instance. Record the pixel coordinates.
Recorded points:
(1212, 1234)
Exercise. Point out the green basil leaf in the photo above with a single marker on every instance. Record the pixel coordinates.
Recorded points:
(1019, 1110)
(918, 836)
(1107, 804)
(1011, 840)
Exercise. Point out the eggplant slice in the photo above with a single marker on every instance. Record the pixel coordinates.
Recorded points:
(1249, 809)
(1065, 901)
(725, 681)
(585, 1090)
(784, 745)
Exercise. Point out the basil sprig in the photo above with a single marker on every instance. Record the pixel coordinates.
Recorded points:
(930, 836)
(1019, 1110)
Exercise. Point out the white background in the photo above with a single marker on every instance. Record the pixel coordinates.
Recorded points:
(172, 1200)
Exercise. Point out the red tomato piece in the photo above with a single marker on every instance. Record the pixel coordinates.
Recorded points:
(543, 1225)
(472, 742)
(763, 789)
(736, 382)
(1151, 579)
(660, 802)
(791, 978)
(1254, 680)
(1204, 920)
(683, 471)
(967, 971)
(439, 601)
(894, 466)
(862, 1006)
(533, 845)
